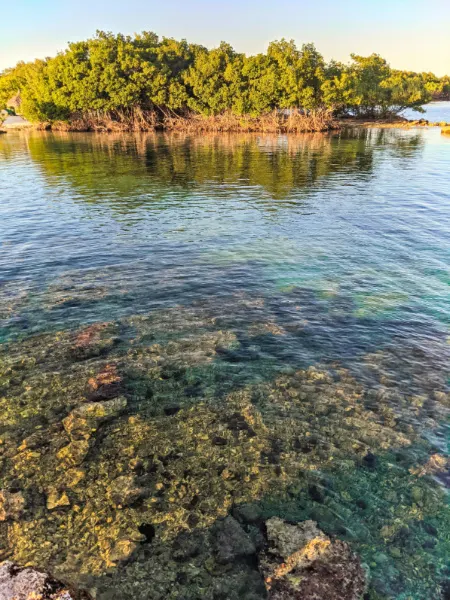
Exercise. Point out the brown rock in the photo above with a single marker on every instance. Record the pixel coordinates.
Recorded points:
(56, 499)
(17, 583)
(12, 505)
(124, 491)
(105, 385)
(85, 419)
(302, 562)
(74, 453)
(92, 341)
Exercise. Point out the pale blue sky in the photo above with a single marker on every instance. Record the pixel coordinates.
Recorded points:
(411, 34)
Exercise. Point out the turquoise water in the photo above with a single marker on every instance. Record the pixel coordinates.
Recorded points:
(216, 266)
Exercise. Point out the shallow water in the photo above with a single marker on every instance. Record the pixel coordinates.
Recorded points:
(436, 112)
(273, 311)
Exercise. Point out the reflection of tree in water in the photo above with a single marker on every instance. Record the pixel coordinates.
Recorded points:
(134, 171)
(129, 440)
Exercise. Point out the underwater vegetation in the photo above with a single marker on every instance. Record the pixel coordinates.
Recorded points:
(142, 457)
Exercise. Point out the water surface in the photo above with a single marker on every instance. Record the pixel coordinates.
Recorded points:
(436, 112)
(271, 314)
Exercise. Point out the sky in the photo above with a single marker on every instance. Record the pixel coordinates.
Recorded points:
(410, 34)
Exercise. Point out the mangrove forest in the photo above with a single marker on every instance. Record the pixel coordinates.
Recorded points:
(144, 82)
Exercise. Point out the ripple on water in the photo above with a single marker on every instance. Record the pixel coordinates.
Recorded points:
(195, 325)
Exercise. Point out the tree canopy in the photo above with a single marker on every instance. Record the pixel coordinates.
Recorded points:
(112, 73)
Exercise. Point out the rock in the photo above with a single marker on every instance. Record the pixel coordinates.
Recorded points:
(122, 550)
(34, 441)
(85, 419)
(302, 562)
(304, 540)
(57, 500)
(92, 342)
(74, 453)
(436, 464)
(124, 491)
(370, 460)
(18, 583)
(395, 552)
(105, 385)
(232, 542)
(187, 545)
(247, 513)
(446, 590)
(73, 477)
(12, 505)
(417, 494)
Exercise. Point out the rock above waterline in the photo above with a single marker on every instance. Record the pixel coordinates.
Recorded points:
(302, 562)
(17, 583)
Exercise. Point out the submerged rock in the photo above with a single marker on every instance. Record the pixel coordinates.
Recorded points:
(93, 341)
(247, 513)
(18, 583)
(12, 505)
(232, 542)
(85, 419)
(302, 562)
(74, 453)
(57, 500)
(109, 490)
(105, 385)
(124, 491)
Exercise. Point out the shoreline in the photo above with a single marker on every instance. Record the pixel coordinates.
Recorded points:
(220, 124)
(399, 123)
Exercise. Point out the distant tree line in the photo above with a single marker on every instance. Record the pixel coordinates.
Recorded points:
(116, 74)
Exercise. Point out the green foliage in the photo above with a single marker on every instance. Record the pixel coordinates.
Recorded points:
(369, 87)
(213, 79)
(116, 74)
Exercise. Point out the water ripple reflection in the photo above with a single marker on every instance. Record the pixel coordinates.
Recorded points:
(190, 325)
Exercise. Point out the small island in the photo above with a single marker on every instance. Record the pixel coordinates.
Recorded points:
(144, 83)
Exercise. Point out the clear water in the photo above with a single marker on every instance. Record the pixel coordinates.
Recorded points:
(436, 112)
(205, 276)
